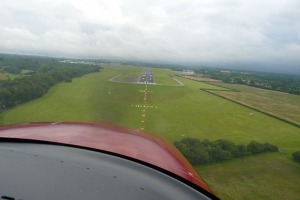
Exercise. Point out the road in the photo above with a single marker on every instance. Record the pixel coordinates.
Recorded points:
(147, 77)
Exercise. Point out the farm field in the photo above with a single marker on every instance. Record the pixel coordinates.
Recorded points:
(174, 113)
(283, 105)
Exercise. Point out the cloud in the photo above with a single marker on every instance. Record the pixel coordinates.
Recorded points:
(185, 31)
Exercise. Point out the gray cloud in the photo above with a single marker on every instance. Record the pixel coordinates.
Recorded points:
(229, 32)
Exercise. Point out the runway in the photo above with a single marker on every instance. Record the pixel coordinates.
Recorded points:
(146, 77)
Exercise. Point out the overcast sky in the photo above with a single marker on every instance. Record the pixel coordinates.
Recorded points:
(263, 34)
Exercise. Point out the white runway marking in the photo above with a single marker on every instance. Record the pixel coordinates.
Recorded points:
(56, 122)
(144, 107)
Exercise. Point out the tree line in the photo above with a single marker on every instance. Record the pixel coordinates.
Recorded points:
(47, 73)
(272, 81)
(200, 152)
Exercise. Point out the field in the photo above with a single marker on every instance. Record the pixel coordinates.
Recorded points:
(201, 79)
(128, 74)
(174, 113)
(13, 76)
(268, 176)
(164, 77)
(283, 105)
(3, 76)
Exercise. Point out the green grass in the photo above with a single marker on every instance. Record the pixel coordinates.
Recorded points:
(24, 71)
(164, 77)
(283, 105)
(188, 112)
(59, 104)
(268, 176)
(85, 99)
(181, 112)
(129, 71)
(199, 85)
(161, 76)
(12, 76)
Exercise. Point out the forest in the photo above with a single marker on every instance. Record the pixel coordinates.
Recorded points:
(43, 73)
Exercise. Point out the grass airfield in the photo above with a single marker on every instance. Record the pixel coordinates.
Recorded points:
(173, 111)
(282, 105)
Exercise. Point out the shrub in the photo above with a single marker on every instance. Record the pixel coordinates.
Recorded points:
(255, 147)
(201, 152)
(296, 156)
(270, 147)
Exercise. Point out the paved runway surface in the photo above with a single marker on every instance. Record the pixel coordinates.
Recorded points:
(147, 77)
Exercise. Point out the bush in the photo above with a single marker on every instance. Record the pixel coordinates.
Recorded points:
(201, 152)
(255, 147)
(202, 156)
(242, 151)
(296, 156)
(270, 147)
